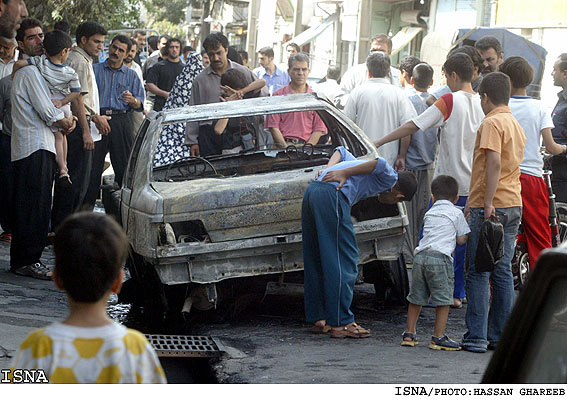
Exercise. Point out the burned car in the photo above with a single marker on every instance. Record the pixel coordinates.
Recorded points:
(196, 223)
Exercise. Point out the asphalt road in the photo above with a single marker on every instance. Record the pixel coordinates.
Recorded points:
(267, 341)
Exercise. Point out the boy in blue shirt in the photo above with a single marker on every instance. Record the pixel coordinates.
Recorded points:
(330, 252)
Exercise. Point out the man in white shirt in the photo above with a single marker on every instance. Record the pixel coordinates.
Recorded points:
(358, 74)
(458, 115)
(8, 55)
(378, 107)
(331, 88)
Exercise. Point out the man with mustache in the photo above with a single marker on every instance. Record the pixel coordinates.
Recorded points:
(120, 93)
(11, 14)
(200, 137)
(490, 50)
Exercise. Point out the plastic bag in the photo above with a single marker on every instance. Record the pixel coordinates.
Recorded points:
(490, 249)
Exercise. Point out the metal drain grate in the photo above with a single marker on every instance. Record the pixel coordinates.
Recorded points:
(185, 346)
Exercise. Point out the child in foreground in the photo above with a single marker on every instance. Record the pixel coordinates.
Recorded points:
(432, 273)
(88, 347)
(64, 86)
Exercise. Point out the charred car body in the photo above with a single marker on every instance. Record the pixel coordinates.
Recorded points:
(198, 222)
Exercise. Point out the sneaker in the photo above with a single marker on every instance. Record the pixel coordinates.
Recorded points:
(443, 343)
(37, 270)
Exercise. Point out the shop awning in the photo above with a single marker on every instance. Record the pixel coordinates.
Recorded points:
(310, 34)
(404, 37)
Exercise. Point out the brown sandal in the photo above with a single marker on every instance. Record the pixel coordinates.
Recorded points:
(352, 330)
(320, 329)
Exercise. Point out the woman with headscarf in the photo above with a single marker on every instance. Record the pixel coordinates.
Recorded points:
(171, 145)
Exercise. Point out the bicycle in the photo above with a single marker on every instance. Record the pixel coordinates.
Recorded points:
(557, 222)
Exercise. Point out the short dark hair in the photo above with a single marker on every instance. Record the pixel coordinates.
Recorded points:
(187, 48)
(55, 41)
(422, 75)
(294, 45)
(461, 64)
(445, 187)
(520, 72)
(123, 39)
(267, 51)
(214, 40)
(408, 64)
(170, 41)
(62, 26)
(164, 36)
(88, 29)
(496, 86)
(298, 57)
(234, 79)
(233, 55)
(382, 38)
(243, 54)
(489, 42)
(27, 23)
(136, 33)
(472, 53)
(203, 51)
(378, 64)
(334, 72)
(406, 184)
(562, 61)
(152, 42)
(90, 249)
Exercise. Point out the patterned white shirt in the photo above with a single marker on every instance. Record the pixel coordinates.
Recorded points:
(106, 354)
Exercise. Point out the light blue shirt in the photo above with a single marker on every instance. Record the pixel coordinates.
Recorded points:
(278, 80)
(360, 187)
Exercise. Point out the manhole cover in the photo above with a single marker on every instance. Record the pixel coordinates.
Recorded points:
(185, 346)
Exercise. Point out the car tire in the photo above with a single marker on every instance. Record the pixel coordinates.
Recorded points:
(390, 279)
(111, 197)
(150, 291)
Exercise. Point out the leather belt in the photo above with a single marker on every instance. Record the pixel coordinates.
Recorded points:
(112, 112)
(295, 141)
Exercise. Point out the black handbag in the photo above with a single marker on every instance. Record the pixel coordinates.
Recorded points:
(490, 249)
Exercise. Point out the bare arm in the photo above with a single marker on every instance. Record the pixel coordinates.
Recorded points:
(400, 163)
(220, 126)
(409, 128)
(492, 176)
(70, 98)
(430, 100)
(278, 137)
(78, 108)
(157, 91)
(550, 145)
(314, 138)
(462, 239)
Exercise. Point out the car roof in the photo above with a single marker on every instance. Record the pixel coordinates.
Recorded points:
(256, 106)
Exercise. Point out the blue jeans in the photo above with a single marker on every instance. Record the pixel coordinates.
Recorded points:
(486, 316)
(330, 255)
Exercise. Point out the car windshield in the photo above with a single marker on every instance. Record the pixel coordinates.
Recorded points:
(244, 145)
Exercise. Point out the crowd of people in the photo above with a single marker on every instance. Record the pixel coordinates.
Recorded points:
(459, 155)
(473, 148)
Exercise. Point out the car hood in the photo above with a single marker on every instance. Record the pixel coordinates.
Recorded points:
(238, 207)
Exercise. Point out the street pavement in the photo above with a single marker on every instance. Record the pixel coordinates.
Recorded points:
(268, 341)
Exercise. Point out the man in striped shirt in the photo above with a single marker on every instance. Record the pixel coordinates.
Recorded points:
(33, 161)
(120, 92)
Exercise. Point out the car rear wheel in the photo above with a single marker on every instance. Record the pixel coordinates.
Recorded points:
(390, 279)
